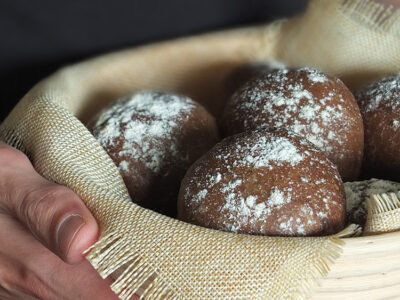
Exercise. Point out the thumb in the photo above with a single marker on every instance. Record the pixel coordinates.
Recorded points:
(59, 219)
(54, 214)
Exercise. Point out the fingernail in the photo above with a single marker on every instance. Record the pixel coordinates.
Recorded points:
(67, 231)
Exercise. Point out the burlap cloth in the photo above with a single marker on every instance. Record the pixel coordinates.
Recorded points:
(163, 258)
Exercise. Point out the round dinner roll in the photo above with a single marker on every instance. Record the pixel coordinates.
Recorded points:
(307, 102)
(267, 183)
(153, 138)
(380, 108)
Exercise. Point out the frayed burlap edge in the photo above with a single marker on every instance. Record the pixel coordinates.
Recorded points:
(368, 13)
(383, 214)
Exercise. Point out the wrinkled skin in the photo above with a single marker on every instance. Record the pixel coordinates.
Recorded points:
(34, 263)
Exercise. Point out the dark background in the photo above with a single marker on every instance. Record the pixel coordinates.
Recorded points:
(38, 37)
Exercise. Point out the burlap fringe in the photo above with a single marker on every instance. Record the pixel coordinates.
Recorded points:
(319, 268)
(351, 230)
(383, 214)
(113, 252)
(372, 14)
(9, 137)
(378, 204)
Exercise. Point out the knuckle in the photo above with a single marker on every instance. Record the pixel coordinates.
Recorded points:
(41, 209)
(10, 155)
(38, 207)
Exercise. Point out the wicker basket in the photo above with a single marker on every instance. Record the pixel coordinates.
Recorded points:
(369, 266)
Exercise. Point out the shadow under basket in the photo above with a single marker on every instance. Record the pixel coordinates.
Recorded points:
(159, 257)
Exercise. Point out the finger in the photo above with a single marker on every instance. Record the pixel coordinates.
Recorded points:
(28, 268)
(53, 213)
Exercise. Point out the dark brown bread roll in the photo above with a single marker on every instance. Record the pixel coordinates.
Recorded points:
(153, 138)
(307, 102)
(380, 107)
(260, 182)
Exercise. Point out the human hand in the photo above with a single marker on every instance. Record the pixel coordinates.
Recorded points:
(44, 228)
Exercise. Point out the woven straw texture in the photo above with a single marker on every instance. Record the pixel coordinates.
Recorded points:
(154, 255)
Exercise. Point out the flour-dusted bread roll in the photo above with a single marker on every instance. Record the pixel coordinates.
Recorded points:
(307, 102)
(153, 138)
(268, 183)
(380, 107)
